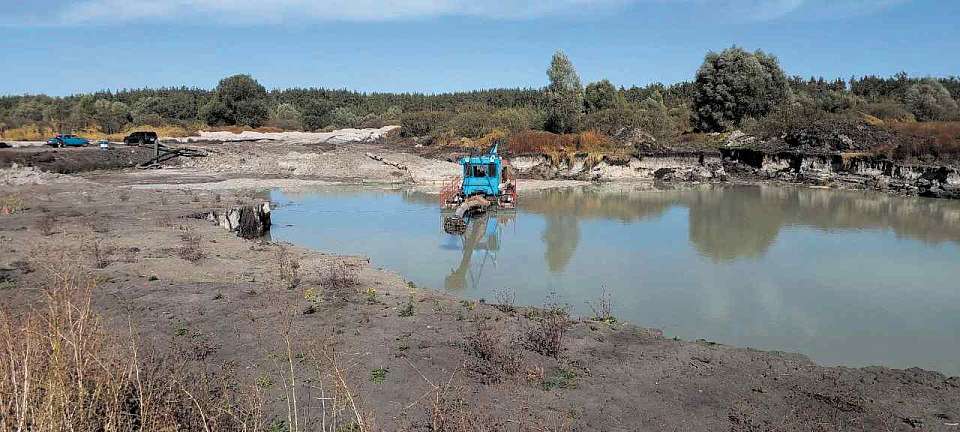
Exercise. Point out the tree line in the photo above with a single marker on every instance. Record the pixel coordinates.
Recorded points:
(731, 89)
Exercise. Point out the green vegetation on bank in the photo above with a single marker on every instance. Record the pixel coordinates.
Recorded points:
(733, 89)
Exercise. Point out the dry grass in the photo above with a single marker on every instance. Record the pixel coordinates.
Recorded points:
(37, 133)
(190, 248)
(288, 268)
(593, 145)
(538, 142)
(62, 370)
(12, 203)
(27, 133)
(937, 139)
(603, 307)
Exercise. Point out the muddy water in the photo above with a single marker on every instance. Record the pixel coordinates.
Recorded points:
(847, 278)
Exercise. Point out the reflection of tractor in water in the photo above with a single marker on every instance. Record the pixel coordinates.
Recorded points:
(485, 183)
(483, 235)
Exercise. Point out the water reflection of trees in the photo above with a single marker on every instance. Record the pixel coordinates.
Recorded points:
(561, 236)
(727, 223)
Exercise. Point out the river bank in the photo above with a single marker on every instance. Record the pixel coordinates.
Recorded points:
(412, 355)
(380, 156)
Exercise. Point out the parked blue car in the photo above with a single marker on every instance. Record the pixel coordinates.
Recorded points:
(66, 140)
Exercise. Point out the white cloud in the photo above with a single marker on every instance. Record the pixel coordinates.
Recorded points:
(350, 10)
(275, 11)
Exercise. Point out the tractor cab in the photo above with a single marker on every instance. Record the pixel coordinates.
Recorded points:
(483, 182)
(481, 175)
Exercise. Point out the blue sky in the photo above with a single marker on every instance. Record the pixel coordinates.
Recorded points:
(62, 47)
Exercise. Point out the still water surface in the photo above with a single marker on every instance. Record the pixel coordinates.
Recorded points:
(844, 277)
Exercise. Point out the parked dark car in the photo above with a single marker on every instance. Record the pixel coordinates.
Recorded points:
(139, 138)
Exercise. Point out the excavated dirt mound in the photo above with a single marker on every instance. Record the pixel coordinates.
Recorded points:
(831, 135)
(72, 160)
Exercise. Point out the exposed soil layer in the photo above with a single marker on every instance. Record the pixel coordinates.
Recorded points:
(415, 354)
(71, 160)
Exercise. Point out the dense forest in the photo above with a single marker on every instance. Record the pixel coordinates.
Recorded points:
(733, 89)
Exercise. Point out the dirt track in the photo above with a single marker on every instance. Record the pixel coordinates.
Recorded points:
(228, 305)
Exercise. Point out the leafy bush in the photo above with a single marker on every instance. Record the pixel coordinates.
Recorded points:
(734, 85)
(929, 100)
(111, 116)
(834, 101)
(518, 119)
(286, 116)
(422, 123)
(602, 95)
(651, 117)
(316, 114)
(472, 124)
(250, 112)
(216, 113)
(889, 110)
(344, 117)
(788, 116)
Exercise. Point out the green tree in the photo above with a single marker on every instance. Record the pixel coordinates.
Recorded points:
(601, 95)
(316, 114)
(180, 106)
(929, 100)
(392, 114)
(286, 116)
(146, 111)
(564, 95)
(734, 85)
(28, 111)
(82, 111)
(344, 117)
(238, 100)
(216, 113)
(111, 116)
(57, 114)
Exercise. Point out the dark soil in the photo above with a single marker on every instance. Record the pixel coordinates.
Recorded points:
(424, 360)
(72, 160)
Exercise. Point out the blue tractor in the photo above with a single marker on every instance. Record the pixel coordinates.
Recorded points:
(483, 177)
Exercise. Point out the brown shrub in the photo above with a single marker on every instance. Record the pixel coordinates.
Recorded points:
(549, 326)
(288, 268)
(190, 248)
(492, 357)
(539, 142)
(927, 139)
(340, 274)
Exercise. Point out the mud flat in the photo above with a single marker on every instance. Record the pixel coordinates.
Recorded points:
(411, 355)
